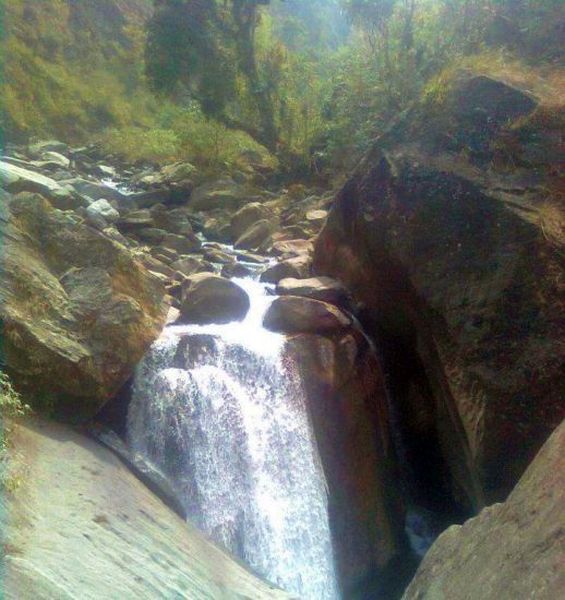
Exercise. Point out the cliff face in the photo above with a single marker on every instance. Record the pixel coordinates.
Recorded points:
(450, 236)
(73, 67)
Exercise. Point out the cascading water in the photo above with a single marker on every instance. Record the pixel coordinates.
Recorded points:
(220, 411)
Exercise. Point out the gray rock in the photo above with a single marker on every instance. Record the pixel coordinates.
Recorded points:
(103, 209)
(256, 236)
(57, 159)
(210, 298)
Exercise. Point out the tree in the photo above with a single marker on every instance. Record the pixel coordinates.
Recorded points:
(203, 47)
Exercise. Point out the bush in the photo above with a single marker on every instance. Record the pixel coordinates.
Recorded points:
(11, 407)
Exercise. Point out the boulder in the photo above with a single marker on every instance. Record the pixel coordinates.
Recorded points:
(78, 311)
(246, 216)
(210, 298)
(135, 220)
(317, 217)
(83, 525)
(298, 267)
(189, 265)
(293, 248)
(292, 314)
(183, 244)
(325, 289)
(177, 172)
(216, 255)
(151, 235)
(17, 179)
(256, 236)
(224, 194)
(57, 159)
(236, 269)
(452, 256)
(511, 550)
(346, 395)
(97, 191)
(38, 149)
(104, 209)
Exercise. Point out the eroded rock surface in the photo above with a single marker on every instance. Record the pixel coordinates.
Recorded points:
(456, 271)
(78, 310)
(82, 527)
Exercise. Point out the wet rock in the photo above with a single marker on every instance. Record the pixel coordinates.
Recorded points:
(292, 314)
(347, 402)
(247, 216)
(81, 511)
(210, 298)
(298, 267)
(236, 270)
(219, 256)
(98, 191)
(189, 265)
(324, 289)
(183, 244)
(256, 236)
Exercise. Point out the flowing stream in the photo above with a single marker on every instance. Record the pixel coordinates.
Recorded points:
(220, 411)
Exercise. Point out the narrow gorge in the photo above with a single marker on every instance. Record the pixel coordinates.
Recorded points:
(281, 302)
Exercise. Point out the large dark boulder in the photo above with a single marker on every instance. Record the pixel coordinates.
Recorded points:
(78, 311)
(208, 298)
(456, 270)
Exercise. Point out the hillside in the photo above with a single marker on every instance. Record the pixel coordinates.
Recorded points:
(74, 67)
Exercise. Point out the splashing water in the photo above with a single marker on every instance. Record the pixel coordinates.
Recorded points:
(220, 410)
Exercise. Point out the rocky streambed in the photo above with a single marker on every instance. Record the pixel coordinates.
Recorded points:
(422, 309)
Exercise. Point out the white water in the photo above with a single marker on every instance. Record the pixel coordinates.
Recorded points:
(220, 410)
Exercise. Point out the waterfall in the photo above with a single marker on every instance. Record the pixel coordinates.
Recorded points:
(220, 411)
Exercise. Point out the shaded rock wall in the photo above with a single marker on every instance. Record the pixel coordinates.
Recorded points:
(454, 273)
(511, 550)
(347, 401)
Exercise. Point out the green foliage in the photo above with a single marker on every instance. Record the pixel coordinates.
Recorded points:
(183, 134)
(61, 80)
(11, 407)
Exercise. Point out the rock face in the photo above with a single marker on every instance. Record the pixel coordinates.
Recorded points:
(293, 314)
(347, 401)
(208, 298)
(82, 526)
(511, 550)
(78, 311)
(457, 271)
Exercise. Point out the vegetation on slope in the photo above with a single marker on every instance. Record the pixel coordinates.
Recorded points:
(313, 81)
